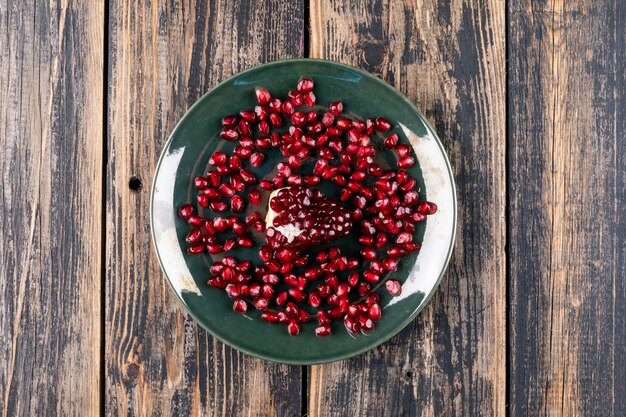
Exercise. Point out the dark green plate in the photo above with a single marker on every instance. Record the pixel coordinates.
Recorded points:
(186, 154)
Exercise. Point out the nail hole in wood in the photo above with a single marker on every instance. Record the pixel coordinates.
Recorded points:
(135, 184)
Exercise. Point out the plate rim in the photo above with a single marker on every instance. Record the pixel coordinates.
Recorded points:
(397, 329)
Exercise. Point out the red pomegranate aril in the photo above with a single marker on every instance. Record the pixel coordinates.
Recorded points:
(185, 211)
(309, 99)
(272, 279)
(261, 303)
(302, 261)
(266, 185)
(245, 242)
(303, 316)
(203, 200)
(314, 299)
(311, 117)
(406, 162)
(265, 253)
(313, 272)
(275, 120)
(305, 85)
(374, 170)
(324, 290)
(411, 198)
(283, 169)
(266, 290)
(381, 240)
(336, 107)
(393, 287)
(345, 194)
(256, 159)
(342, 289)
(216, 268)
(218, 206)
(195, 221)
(301, 283)
(248, 115)
(363, 162)
(332, 281)
(283, 318)
(237, 204)
(201, 183)
(273, 266)
(390, 264)
(229, 134)
(281, 298)
(274, 105)
(215, 248)
(297, 295)
(363, 288)
(322, 256)
(218, 158)
(294, 180)
(368, 253)
(353, 279)
(229, 121)
(396, 252)
(240, 305)
(195, 250)
(216, 282)
(371, 277)
(291, 309)
(287, 108)
(244, 128)
(403, 150)
(391, 141)
(263, 96)
(233, 290)
(230, 244)
(344, 124)
(374, 312)
(351, 324)
(334, 252)
(335, 313)
(325, 153)
(412, 247)
(366, 323)
(316, 127)
(382, 124)
(328, 119)
(339, 180)
(322, 331)
(255, 196)
(222, 170)
(293, 328)
(295, 97)
(311, 180)
(270, 316)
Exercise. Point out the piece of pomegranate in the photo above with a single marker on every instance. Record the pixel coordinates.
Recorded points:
(299, 218)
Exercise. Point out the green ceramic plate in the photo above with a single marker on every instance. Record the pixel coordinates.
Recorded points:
(186, 154)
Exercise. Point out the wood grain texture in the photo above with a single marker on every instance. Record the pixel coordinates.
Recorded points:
(568, 222)
(163, 56)
(448, 58)
(51, 133)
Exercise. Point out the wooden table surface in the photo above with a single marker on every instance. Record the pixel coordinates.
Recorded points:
(529, 98)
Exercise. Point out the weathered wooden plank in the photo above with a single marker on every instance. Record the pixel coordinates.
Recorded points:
(163, 56)
(51, 135)
(449, 58)
(568, 222)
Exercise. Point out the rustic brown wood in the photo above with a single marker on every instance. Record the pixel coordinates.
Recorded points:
(51, 135)
(568, 222)
(163, 56)
(448, 58)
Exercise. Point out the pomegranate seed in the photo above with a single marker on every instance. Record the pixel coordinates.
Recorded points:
(218, 158)
(342, 289)
(391, 141)
(295, 97)
(377, 267)
(230, 244)
(281, 298)
(393, 287)
(403, 150)
(336, 107)
(248, 115)
(256, 159)
(368, 253)
(293, 328)
(353, 279)
(229, 121)
(412, 247)
(328, 119)
(396, 252)
(237, 204)
(351, 324)
(229, 134)
(240, 305)
(381, 240)
(203, 200)
(195, 250)
(311, 180)
(322, 331)
(309, 99)
(366, 323)
(195, 221)
(313, 273)
(371, 277)
(305, 85)
(270, 317)
(275, 120)
(265, 253)
(255, 196)
(314, 299)
(382, 124)
(363, 288)
(245, 242)
(261, 303)
(287, 108)
(282, 317)
(244, 128)
(185, 211)
(374, 312)
(297, 294)
(263, 96)
(406, 162)
(403, 238)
